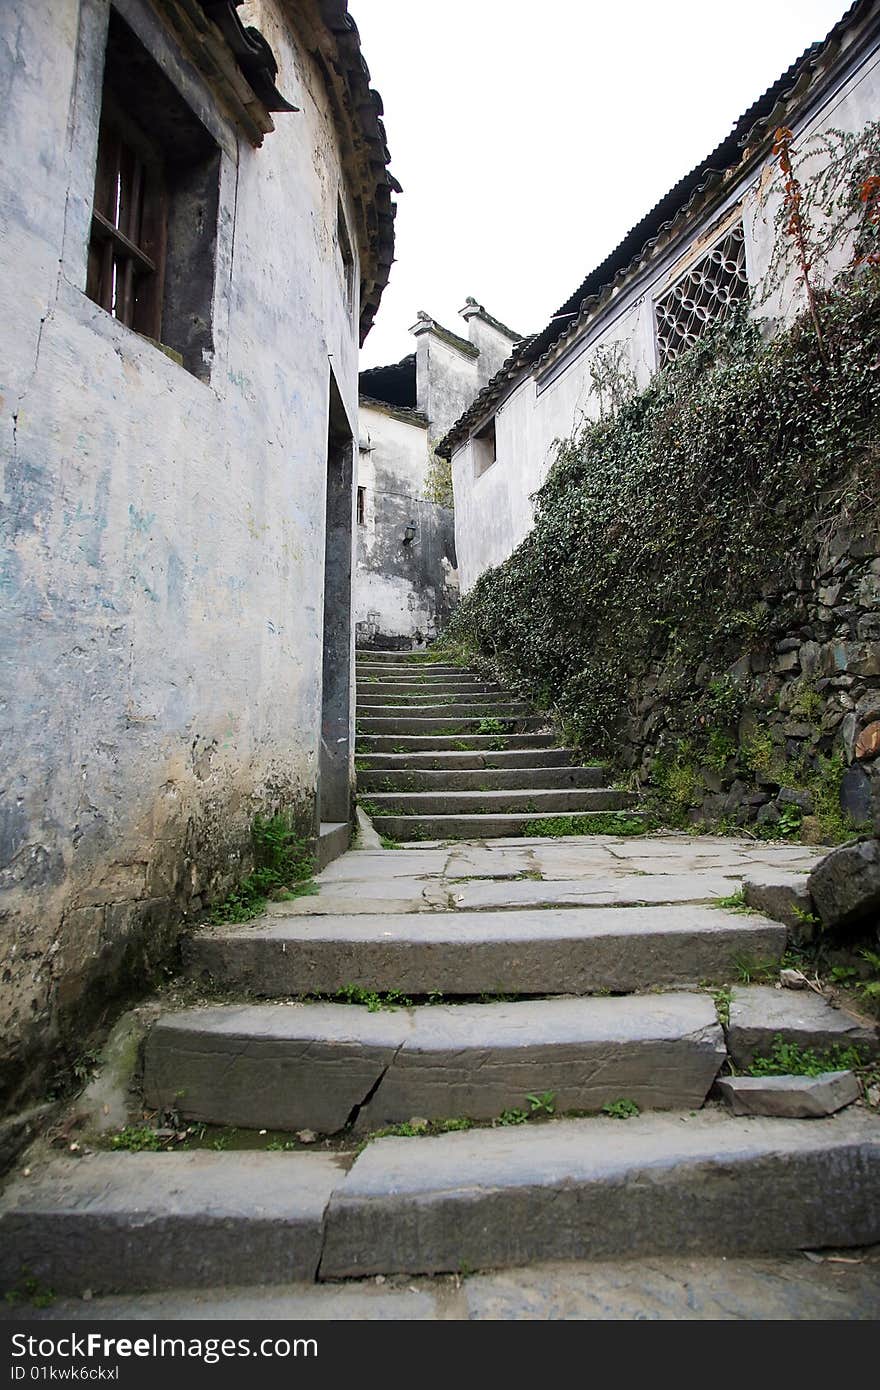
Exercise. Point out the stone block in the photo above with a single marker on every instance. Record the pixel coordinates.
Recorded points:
(111, 1221)
(596, 1187)
(845, 885)
(867, 744)
(782, 896)
(790, 1097)
(543, 951)
(855, 794)
(759, 1014)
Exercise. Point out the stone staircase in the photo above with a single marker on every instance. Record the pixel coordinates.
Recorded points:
(445, 754)
(534, 982)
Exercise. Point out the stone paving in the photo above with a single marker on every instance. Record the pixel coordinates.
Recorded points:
(801, 1287)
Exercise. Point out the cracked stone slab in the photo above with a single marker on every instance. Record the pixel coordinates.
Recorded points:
(110, 1221)
(361, 865)
(580, 1189)
(792, 1097)
(442, 894)
(760, 1013)
(662, 1051)
(281, 1066)
(319, 1066)
(622, 890)
(403, 894)
(539, 951)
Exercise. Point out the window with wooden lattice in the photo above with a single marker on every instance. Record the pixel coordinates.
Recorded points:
(154, 216)
(704, 295)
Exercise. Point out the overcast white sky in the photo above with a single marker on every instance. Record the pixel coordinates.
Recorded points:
(530, 137)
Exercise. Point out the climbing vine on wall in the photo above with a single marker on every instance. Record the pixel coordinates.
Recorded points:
(670, 534)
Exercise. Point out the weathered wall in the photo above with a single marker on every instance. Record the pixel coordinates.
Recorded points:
(404, 591)
(164, 537)
(493, 509)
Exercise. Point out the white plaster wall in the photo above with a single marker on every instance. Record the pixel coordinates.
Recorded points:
(494, 511)
(447, 380)
(163, 561)
(401, 590)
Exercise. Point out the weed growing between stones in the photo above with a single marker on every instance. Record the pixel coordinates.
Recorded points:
(734, 902)
(621, 1109)
(284, 865)
(592, 823)
(788, 1059)
(135, 1139)
(30, 1290)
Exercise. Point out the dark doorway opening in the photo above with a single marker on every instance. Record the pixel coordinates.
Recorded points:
(334, 786)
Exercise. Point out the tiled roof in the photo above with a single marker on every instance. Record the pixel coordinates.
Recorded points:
(349, 78)
(753, 126)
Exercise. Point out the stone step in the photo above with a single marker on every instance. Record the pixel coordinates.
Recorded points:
(417, 656)
(393, 893)
(525, 801)
(760, 1014)
(326, 1067)
(411, 673)
(379, 701)
(568, 1189)
(449, 743)
(540, 951)
(458, 711)
(449, 719)
(114, 1221)
(476, 826)
(530, 756)
(584, 1188)
(425, 689)
(480, 779)
(333, 839)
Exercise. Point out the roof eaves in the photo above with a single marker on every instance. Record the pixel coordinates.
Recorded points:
(747, 135)
(360, 109)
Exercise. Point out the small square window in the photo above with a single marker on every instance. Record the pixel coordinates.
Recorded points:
(154, 216)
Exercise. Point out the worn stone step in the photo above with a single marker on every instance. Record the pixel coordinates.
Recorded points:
(395, 893)
(113, 1221)
(457, 710)
(524, 801)
(424, 689)
(759, 1014)
(328, 1066)
(480, 779)
(378, 700)
(443, 719)
(417, 655)
(447, 742)
(567, 1189)
(412, 673)
(539, 951)
(585, 1188)
(492, 825)
(334, 838)
(531, 755)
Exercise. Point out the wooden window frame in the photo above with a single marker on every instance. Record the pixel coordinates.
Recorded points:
(129, 224)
